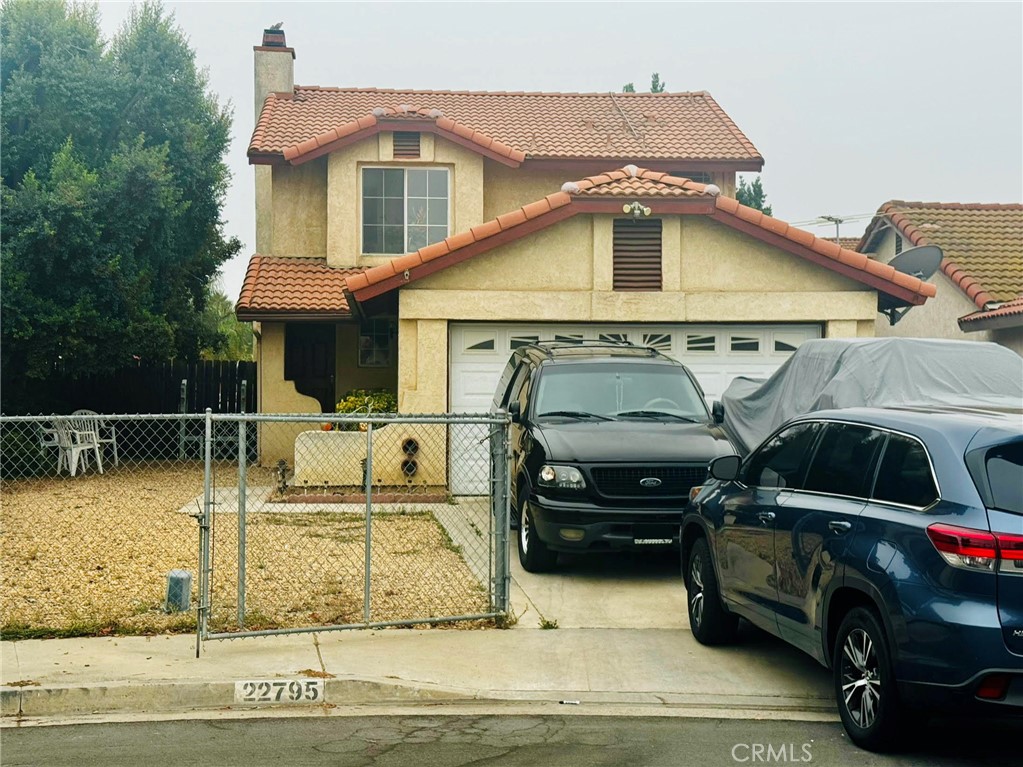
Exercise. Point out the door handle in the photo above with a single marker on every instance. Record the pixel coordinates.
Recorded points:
(838, 526)
(766, 516)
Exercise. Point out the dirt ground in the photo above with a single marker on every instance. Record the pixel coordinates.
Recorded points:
(90, 555)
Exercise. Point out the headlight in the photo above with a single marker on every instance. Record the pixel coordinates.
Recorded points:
(564, 477)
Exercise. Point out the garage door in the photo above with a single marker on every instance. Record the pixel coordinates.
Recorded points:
(716, 354)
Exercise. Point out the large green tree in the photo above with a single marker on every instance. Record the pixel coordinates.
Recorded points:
(113, 178)
(753, 195)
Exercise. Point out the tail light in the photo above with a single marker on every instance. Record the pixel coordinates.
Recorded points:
(975, 549)
(993, 687)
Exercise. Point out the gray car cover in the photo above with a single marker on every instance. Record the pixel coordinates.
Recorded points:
(872, 372)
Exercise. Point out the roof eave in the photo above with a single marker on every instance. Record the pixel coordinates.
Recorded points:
(283, 315)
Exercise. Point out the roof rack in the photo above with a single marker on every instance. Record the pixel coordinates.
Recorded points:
(548, 347)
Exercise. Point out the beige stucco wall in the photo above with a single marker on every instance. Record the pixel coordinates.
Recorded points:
(299, 204)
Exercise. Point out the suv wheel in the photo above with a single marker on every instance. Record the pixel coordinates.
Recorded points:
(709, 621)
(534, 556)
(864, 682)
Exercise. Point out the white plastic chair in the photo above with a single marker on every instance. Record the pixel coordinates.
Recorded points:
(106, 432)
(48, 439)
(75, 438)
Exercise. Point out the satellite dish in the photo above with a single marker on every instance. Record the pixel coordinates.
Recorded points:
(921, 262)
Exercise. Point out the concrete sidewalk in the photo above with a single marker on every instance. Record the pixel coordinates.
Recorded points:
(657, 668)
(622, 642)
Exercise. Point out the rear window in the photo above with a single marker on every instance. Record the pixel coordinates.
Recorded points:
(1004, 466)
(905, 474)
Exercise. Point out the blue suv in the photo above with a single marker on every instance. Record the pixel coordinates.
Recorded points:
(886, 543)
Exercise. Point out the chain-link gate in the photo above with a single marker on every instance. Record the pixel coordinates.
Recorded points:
(349, 521)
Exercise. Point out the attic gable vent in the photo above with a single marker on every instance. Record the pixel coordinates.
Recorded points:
(406, 145)
(637, 254)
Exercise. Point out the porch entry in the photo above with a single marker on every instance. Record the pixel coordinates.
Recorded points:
(309, 355)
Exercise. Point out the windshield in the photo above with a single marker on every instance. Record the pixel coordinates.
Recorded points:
(612, 391)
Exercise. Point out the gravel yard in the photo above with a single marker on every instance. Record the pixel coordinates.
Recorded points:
(90, 555)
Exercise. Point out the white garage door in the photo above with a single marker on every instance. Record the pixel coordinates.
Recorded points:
(716, 354)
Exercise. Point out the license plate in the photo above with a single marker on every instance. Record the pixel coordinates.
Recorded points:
(652, 541)
(279, 691)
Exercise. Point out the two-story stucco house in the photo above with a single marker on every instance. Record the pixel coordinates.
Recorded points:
(412, 239)
(981, 274)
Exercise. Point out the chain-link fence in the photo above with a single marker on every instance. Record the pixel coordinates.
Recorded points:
(286, 525)
(356, 523)
(95, 510)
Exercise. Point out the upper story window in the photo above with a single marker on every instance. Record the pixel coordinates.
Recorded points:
(636, 254)
(403, 209)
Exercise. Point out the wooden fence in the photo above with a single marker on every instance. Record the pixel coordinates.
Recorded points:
(214, 384)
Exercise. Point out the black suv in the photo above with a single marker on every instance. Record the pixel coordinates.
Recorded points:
(607, 440)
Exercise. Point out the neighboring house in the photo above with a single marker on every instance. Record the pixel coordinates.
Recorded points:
(980, 282)
(412, 239)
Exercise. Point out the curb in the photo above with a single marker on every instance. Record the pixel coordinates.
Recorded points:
(176, 697)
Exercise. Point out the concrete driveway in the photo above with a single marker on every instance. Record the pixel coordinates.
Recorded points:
(632, 590)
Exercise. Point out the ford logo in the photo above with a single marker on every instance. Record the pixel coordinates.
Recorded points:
(650, 482)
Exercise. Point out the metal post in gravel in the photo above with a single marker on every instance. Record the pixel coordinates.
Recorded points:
(242, 482)
(207, 507)
(369, 515)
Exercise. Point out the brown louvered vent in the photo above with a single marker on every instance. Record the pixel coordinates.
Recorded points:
(406, 145)
(637, 254)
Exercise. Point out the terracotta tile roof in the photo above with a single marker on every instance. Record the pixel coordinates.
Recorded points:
(1009, 314)
(382, 118)
(982, 243)
(849, 243)
(293, 286)
(655, 126)
(594, 193)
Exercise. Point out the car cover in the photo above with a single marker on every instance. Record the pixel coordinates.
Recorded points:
(872, 372)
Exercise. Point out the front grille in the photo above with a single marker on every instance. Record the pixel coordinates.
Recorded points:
(624, 481)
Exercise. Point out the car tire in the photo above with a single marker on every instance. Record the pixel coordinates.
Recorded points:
(709, 621)
(865, 687)
(534, 555)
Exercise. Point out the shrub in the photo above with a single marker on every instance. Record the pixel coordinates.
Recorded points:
(366, 401)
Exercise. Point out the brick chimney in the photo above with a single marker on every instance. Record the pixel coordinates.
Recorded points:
(274, 66)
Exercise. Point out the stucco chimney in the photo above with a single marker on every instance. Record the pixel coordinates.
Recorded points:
(274, 66)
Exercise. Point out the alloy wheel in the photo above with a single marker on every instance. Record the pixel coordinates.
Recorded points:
(696, 590)
(524, 530)
(861, 678)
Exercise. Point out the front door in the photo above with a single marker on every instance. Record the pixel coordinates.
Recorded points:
(815, 525)
(309, 350)
(746, 547)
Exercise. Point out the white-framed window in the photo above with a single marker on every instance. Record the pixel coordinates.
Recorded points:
(404, 209)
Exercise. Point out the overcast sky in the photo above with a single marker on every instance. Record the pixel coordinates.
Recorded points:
(851, 104)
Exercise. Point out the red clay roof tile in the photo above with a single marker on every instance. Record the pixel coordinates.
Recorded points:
(295, 286)
(689, 126)
(982, 243)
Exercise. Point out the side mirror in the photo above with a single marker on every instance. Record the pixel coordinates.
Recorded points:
(726, 468)
(515, 409)
(718, 411)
